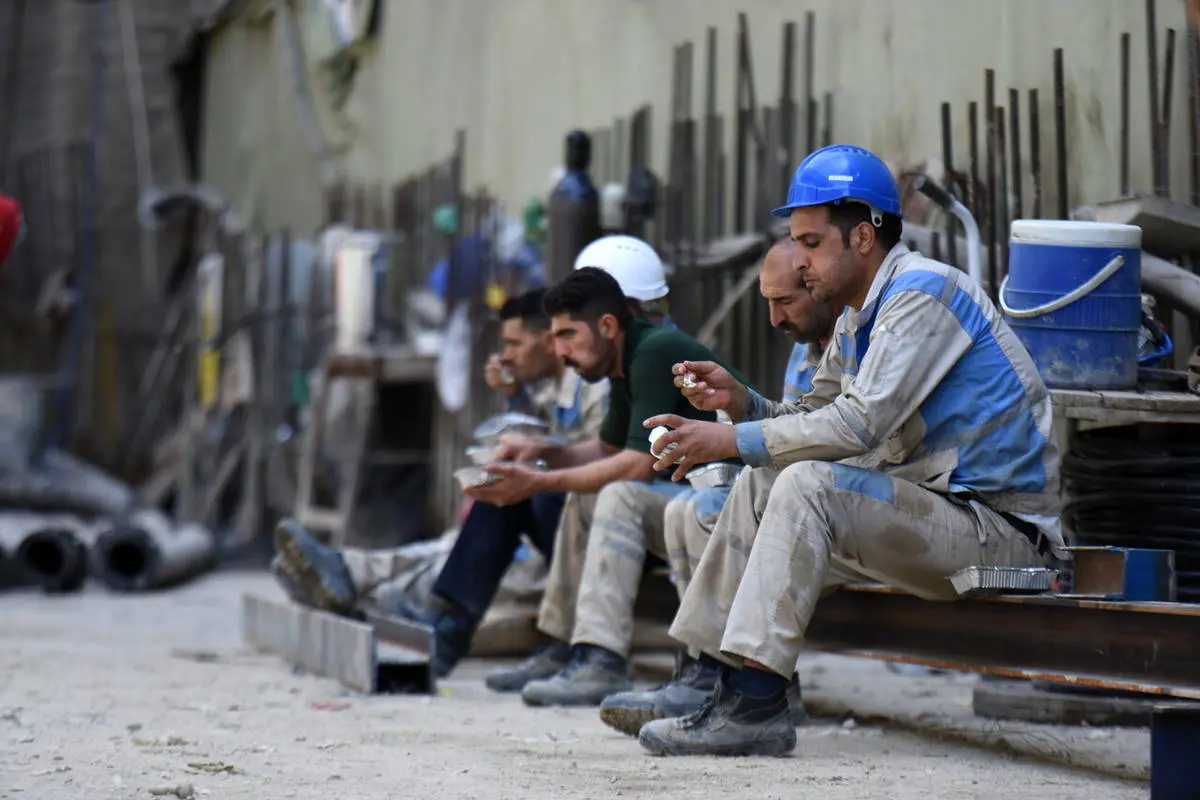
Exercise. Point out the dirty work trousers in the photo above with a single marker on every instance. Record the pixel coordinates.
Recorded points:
(483, 551)
(783, 537)
(599, 554)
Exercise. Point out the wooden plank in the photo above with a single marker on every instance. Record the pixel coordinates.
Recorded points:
(1117, 408)
(323, 644)
(1176, 609)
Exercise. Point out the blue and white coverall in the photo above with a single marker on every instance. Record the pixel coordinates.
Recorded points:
(925, 446)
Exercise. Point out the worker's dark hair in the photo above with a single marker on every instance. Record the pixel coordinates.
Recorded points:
(529, 309)
(588, 294)
(846, 216)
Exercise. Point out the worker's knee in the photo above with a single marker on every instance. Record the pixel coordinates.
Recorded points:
(810, 478)
(619, 496)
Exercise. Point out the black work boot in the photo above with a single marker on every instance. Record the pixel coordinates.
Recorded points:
(319, 576)
(796, 702)
(544, 662)
(593, 674)
(452, 626)
(728, 724)
(691, 685)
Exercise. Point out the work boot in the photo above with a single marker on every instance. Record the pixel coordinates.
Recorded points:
(286, 580)
(593, 674)
(728, 724)
(795, 702)
(691, 685)
(319, 575)
(452, 627)
(542, 664)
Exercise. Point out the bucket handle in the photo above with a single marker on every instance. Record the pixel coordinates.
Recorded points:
(1083, 291)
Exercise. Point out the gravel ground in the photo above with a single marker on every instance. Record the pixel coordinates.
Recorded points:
(104, 696)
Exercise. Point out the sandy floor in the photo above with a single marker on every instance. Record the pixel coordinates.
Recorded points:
(120, 697)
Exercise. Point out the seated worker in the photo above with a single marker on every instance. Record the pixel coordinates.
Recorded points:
(335, 581)
(615, 508)
(690, 516)
(924, 447)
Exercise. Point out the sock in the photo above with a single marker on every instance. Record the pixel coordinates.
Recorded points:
(451, 609)
(709, 664)
(592, 652)
(756, 683)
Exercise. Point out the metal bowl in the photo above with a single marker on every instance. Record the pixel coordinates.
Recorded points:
(711, 476)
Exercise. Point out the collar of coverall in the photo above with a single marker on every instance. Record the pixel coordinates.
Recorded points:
(886, 270)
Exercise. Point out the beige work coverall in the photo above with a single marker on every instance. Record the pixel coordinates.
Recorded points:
(927, 419)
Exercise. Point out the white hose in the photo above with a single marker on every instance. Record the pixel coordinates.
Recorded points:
(1087, 288)
(974, 241)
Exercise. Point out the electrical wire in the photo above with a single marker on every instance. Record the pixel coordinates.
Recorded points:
(1128, 493)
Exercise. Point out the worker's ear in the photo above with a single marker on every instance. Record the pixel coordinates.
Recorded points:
(864, 238)
(608, 326)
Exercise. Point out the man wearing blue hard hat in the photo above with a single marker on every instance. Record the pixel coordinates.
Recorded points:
(924, 447)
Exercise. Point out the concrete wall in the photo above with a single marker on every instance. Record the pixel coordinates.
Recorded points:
(518, 73)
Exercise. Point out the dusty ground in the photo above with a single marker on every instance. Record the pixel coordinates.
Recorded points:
(120, 697)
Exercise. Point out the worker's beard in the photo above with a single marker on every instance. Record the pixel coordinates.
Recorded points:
(602, 367)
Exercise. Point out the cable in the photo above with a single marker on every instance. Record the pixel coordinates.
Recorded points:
(1128, 493)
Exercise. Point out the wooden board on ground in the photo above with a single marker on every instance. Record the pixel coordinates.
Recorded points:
(1126, 408)
(322, 643)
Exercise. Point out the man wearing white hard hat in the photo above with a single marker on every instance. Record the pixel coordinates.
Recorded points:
(639, 270)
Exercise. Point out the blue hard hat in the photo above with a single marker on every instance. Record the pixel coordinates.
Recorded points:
(842, 172)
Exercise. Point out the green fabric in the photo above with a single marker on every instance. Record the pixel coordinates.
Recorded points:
(445, 219)
(648, 387)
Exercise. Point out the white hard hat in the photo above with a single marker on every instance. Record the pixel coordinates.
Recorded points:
(631, 261)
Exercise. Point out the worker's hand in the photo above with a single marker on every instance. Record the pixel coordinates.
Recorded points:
(710, 387)
(518, 447)
(517, 482)
(497, 377)
(696, 443)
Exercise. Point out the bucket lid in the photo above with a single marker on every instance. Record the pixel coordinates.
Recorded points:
(1076, 232)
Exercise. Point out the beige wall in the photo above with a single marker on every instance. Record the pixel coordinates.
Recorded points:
(518, 73)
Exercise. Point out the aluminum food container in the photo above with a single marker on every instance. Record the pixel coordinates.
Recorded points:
(481, 455)
(1002, 580)
(491, 429)
(473, 476)
(712, 475)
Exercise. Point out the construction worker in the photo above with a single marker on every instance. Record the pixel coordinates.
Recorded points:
(924, 447)
(541, 384)
(690, 516)
(615, 496)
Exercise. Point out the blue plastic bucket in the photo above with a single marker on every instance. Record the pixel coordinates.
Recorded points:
(1073, 297)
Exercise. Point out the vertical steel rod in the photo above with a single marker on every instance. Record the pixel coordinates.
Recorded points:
(1060, 134)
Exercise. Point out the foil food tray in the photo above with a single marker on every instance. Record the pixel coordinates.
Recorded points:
(1003, 580)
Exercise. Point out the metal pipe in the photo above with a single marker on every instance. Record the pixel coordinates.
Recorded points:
(1060, 134)
(950, 203)
(810, 102)
(147, 551)
(1194, 111)
(1124, 169)
(740, 125)
(1152, 73)
(973, 148)
(948, 162)
(989, 103)
(1035, 155)
(827, 133)
(1014, 132)
(54, 554)
(1164, 125)
(1001, 201)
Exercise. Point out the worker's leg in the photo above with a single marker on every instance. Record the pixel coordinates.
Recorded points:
(756, 586)
(627, 523)
(556, 617)
(689, 522)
